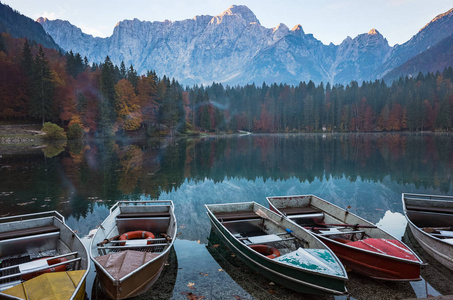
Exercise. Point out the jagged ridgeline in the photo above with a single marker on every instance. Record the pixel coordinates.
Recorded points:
(234, 48)
(108, 98)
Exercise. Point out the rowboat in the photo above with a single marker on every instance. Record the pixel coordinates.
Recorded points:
(131, 246)
(277, 248)
(41, 258)
(360, 245)
(430, 220)
(161, 289)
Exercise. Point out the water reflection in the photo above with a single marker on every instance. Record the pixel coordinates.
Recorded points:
(341, 165)
(394, 223)
(437, 278)
(365, 171)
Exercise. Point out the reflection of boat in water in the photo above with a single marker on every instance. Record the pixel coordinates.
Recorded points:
(131, 246)
(161, 289)
(41, 258)
(434, 273)
(361, 245)
(430, 219)
(278, 248)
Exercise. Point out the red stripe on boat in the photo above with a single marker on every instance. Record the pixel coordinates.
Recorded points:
(389, 247)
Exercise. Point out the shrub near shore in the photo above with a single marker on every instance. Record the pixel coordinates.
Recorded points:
(53, 132)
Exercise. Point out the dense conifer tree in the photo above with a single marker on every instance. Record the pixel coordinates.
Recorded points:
(107, 101)
(27, 60)
(42, 89)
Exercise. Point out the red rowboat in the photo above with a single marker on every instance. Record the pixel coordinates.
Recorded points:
(359, 244)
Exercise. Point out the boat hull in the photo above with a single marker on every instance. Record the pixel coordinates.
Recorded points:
(28, 239)
(137, 284)
(291, 278)
(375, 266)
(438, 248)
(126, 270)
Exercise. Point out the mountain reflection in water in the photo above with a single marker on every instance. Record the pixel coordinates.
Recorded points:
(367, 172)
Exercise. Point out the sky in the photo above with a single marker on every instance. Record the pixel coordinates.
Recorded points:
(328, 20)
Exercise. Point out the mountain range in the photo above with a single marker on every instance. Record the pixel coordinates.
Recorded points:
(234, 48)
(436, 58)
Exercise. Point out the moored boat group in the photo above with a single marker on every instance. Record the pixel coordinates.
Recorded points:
(301, 242)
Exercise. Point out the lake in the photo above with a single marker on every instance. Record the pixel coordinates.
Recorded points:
(367, 172)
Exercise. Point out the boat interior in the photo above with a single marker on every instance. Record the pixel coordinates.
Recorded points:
(135, 236)
(29, 248)
(317, 221)
(252, 229)
(433, 217)
(273, 237)
(158, 223)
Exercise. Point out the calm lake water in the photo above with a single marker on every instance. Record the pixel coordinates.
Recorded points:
(367, 172)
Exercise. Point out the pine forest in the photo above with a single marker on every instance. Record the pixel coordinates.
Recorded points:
(44, 85)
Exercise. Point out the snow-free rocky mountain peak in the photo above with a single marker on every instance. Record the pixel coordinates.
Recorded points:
(234, 48)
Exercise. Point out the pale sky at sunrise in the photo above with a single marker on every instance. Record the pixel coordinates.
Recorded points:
(328, 20)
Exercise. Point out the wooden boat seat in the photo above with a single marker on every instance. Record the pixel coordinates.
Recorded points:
(157, 214)
(430, 209)
(262, 239)
(239, 215)
(342, 232)
(35, 266)
(28, 232)
(133, 246)
(268, 242)
(299, 210)
(307, 216)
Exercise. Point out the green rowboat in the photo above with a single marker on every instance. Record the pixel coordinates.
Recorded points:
(278, 249)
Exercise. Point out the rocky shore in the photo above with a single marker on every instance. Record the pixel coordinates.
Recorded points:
(20, 138)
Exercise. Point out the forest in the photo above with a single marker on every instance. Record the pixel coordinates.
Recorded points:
(45, 85)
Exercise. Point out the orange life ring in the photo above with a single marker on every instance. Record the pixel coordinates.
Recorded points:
(50, 262)
(269, 251)
(139, 234)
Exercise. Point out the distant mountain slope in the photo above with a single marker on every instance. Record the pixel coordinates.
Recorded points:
(20, 26)
(234, 48)
(436, 58)
(431, 34)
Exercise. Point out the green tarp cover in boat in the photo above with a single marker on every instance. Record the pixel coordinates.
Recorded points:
(317, 260)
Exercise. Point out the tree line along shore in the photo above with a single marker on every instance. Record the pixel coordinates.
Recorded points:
(42, 85)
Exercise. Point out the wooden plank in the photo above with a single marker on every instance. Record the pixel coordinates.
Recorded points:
(133, 246)
(237, 215)
(152, 240)
(341, 232)
(41, 268)
(144, 215)
(269, 242)
(241, 221)
(28, 232)
(299, 210)
(430, 209)
(307, 216)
